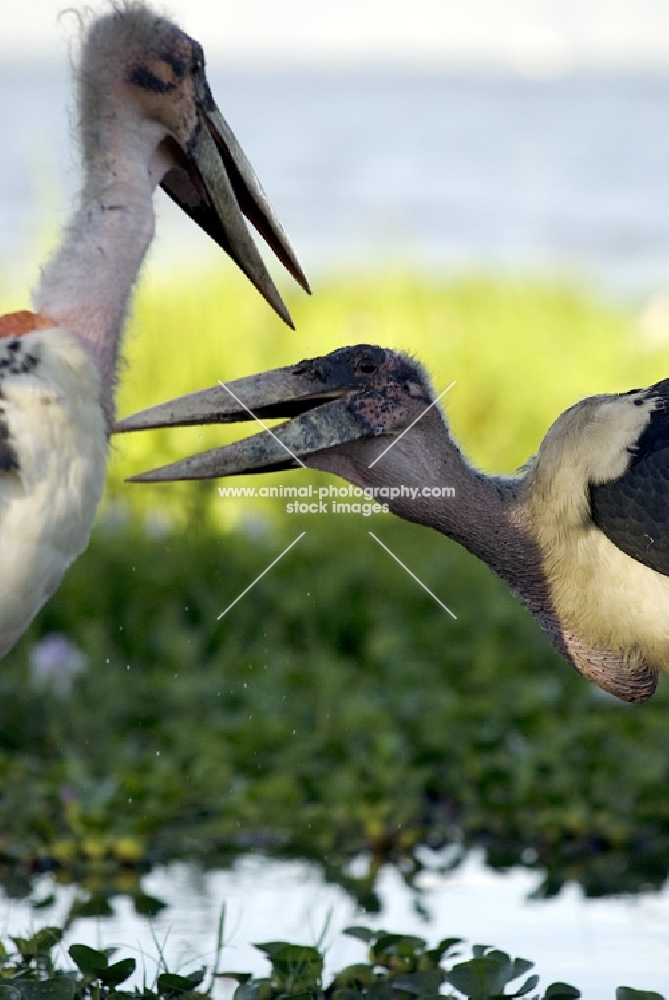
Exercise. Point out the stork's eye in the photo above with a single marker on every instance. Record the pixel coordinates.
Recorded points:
(367, 367)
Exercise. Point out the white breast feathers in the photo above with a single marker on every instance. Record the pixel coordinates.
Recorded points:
(53, 451)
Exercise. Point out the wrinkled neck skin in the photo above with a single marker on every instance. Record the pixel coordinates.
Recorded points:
(485, 515)
(86, 285)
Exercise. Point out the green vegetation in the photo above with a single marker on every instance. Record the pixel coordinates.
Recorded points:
(336, 708)
(398, 967)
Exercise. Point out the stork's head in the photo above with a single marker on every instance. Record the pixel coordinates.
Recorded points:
(345, 411)
(143, 88)
(138, 63)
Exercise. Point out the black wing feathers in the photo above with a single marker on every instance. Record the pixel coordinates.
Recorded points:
(633, 510)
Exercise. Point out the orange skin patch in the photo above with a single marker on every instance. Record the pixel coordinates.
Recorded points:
(17, 323)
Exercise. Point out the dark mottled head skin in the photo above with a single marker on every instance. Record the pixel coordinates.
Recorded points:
(385, 391)
(383, 429)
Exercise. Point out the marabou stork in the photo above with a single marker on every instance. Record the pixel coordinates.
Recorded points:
(146, 118)
(581, 534)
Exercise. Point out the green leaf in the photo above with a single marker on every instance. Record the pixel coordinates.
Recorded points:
(398, 952)
(97, 906)
(46, 938)
(388, 941)
(147, 906)
(40, 943)
(169, 982)
(519, 967)
(380, 990)
(355, 975)
(561, 991)
(346, 994)
(361, 933)
(506, 966)
(420, 984)
(46, 902)
(90, 961)
(119, 972)
(59, 988)
(627, 993)
(528, 985)
(443, 948)
(9, 993)
(479, 978)
(299, 961)
(432, 996)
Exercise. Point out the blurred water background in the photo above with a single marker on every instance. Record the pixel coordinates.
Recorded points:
(567, 177)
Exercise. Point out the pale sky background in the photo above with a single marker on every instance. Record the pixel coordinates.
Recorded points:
(536, 37)
(495, 171)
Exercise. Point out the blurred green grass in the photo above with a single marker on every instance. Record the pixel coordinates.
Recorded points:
(336, 708)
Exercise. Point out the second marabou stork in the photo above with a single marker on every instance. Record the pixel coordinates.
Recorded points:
(581, 535)
(146, 119)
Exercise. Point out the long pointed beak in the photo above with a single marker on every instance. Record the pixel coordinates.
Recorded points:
(320, 398)
(215, 184)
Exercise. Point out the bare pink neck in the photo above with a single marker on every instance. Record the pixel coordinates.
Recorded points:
(86, 286)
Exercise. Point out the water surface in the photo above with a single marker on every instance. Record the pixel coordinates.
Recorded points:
(594, 944)
(568, 177)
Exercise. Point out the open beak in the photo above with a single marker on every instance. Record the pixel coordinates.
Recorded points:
(215, 184)
(324, 400)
